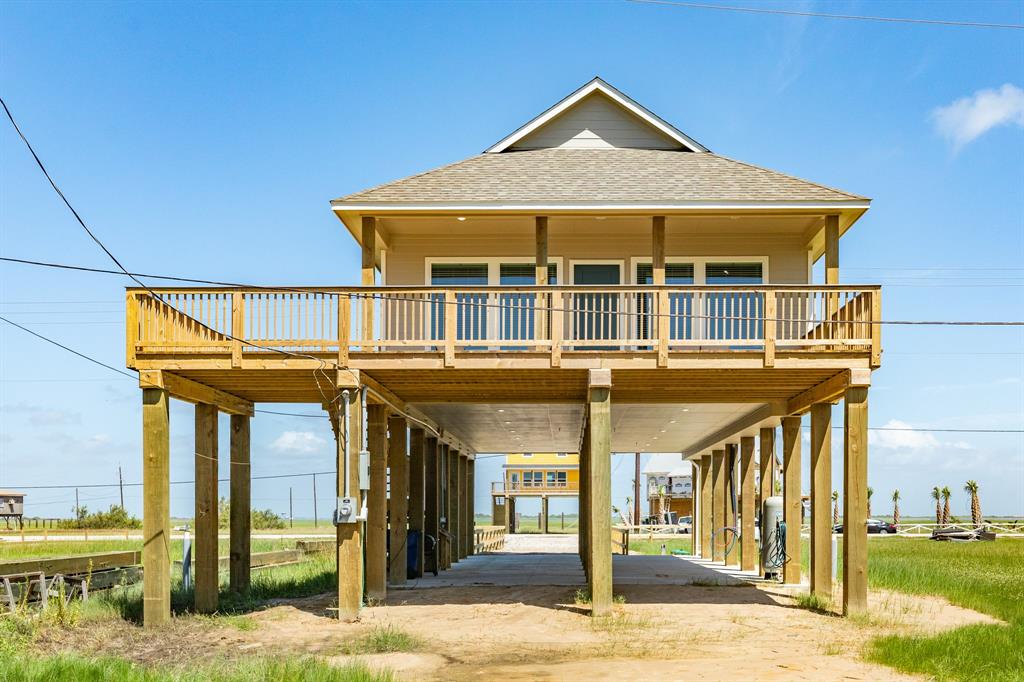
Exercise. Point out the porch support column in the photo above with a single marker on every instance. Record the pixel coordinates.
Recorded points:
(498, 506)
(766, 464)
(206, 559)
(398, 500)
(156, 508)
(417, 493)
(544, 514)
(463, 508)
(471, 505)
(732, 557)
(706, 551)
(855, 495)
(453, 504)
(792, 507)
(832, 249)
(821, 497)
(584, 505)
(542, 250)
(600, 494)
(432, 498)
(240, 506)
(718, 504)
(377, 504)
(748, 550)
(349, 535)
(662, 325)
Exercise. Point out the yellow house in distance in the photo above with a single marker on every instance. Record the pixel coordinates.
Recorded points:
(533, 474)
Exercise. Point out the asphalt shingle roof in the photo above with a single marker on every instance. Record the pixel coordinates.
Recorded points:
(598, 175)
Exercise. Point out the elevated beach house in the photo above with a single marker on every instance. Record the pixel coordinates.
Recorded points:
(595, 281)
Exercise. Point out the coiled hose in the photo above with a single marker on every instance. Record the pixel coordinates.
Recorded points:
(775, 556)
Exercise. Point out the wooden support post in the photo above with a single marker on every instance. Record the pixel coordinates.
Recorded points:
(792, 507)
(706, 550)
(444, 508)
(599, 427)
(661, 304)
(770, 327)
(471, 504)
(377, 504)
(156, 509)
(240, 506)
(432, 498)
(398, 499)
(766, 466)
(237, 327)
(463, 508)
(832, 249)
(417, 493)
(584, 504)
(544, 514)
(732, 555)
(855, 495)
(349, 535)
(541, 276)
(205, 557)
(369, 278)
(451, 329)
(821, 499)
(718, 505)
(453, 504)
(748, 549)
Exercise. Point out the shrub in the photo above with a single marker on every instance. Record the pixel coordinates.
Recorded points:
(115, 517)
(261, 519)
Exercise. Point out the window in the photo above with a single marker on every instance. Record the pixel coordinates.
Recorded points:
(563, 478)
(518, 314)
(527, 454)
(551, 479)
(734, 315)
(732, 273)
(680, 305)
(472, 311)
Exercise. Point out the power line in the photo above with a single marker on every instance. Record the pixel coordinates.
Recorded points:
(502, 306)
(121, 371)
(822, 15)
(139, 485)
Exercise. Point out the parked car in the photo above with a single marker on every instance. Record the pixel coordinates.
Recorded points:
(874, 526)
(685, 524)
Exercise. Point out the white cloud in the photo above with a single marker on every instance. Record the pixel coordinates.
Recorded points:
(968, 118)
(902, 440)
(298, 442)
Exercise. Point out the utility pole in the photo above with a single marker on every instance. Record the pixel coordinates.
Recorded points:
(636, 490)
(314, 500)
(120, 484)
(76, 502)
(291, 518)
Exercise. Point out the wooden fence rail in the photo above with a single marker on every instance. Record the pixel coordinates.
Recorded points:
(620, 540)
(488, 539)
(549, 319)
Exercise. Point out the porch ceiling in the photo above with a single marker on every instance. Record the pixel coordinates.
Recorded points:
(533, 427)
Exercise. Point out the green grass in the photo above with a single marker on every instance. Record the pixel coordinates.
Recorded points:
(74, 668)
(384, 640)
(641, 546)
(30, 550)
(984, 576)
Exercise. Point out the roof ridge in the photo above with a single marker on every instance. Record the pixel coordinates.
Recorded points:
(410, 177)
(791, 177)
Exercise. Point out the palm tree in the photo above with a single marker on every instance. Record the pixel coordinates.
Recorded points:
(945, 505)
(871, 491)
(835, 507)
(972, 488)
(896, 507)
(937, 496)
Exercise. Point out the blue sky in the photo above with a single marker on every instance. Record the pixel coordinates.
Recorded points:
(206, 141)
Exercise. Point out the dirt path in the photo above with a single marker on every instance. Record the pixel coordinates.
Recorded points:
(539, 633)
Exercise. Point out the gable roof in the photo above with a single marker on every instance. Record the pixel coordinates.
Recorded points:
(598, 86)
(670, 464)
(593, 178)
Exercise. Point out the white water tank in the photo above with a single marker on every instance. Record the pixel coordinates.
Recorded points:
(773, 547)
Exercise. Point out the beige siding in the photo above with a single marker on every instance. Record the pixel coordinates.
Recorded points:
(585, 238)
(596, 122)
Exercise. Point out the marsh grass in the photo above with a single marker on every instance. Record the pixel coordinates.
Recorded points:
(67, 668)
(10, 551)
(813, 602)
(983, 576)
(639, 545)
(384, 640)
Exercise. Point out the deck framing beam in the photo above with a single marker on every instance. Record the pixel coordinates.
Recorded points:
(194, 392)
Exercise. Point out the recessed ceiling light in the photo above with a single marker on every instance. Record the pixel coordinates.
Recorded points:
(508, 422)
(686, 409)
(663, 430)
(501, 409)
(672, 422)
(461, 219)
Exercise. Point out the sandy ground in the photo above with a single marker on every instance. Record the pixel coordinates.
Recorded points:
(539, 633)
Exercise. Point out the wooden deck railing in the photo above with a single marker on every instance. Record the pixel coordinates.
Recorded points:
(549, 319)
(499, 487)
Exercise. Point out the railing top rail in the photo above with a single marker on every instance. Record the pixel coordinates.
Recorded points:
(610, 288)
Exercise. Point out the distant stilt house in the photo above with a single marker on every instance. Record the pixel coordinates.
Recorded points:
(541, 475)
(597, 281)
(12, 506)
(669, 487)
